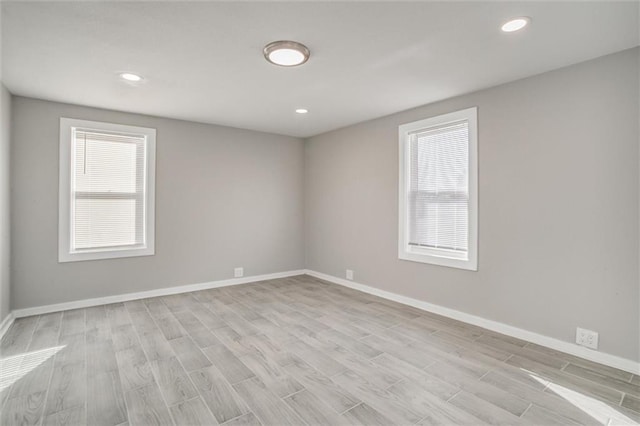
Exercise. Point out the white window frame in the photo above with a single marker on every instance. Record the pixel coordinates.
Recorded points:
(65, 252)
(435, 256)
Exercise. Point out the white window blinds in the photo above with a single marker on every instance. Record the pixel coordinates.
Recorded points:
(438, 197)
(108, 190)
(438, 193)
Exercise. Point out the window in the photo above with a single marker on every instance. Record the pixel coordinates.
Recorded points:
(106, 198)
(439, 190)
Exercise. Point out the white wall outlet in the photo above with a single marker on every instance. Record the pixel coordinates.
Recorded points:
(238, 272)
(349, 274)
(587, 338)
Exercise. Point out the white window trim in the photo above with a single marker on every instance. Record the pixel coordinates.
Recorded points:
(439, 256)
(65, 253)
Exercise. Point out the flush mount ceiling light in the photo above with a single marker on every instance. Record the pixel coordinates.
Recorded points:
(286, 53)
(515, 24)
(130, 77)
(302, 111)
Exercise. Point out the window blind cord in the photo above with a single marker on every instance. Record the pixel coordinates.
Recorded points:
(84, 160)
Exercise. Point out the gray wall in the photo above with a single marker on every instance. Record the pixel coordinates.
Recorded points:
(558, 159)
(5, 228)
(224, 198)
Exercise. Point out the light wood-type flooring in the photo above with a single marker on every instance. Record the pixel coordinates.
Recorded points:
(292, 351)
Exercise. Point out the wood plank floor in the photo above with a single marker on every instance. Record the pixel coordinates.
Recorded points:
(292, 351)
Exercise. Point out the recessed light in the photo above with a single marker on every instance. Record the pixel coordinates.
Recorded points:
(515, 24)
(302, 111)
(286, 53)
(130, 77)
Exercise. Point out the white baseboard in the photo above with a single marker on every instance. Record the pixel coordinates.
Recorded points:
(549, 342)
(85, 303)
(6, 323)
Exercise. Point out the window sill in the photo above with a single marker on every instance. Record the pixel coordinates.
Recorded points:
(64, 256)
(469, 265)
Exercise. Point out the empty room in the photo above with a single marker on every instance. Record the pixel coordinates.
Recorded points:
(319, 213)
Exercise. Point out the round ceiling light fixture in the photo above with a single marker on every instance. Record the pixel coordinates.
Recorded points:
(130, 77)
(302, 111)
(515, 24)
(286, 53)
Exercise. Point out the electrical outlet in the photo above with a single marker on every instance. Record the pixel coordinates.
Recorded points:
(349, 274)
(587, 338)
(238, 272)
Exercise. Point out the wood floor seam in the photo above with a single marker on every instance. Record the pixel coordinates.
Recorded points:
(46, 394)
(454, 395)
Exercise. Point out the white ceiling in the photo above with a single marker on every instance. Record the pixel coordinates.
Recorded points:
(203, 61)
